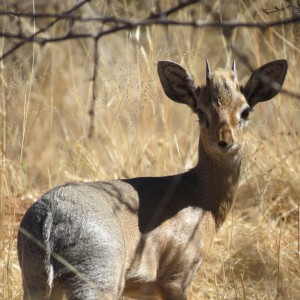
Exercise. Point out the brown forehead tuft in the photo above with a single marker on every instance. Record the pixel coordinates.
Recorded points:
(223, 79)
(223, 87)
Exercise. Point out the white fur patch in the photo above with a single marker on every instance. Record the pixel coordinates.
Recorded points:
(50, 277)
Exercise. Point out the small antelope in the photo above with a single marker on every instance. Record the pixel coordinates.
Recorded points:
(146, 237)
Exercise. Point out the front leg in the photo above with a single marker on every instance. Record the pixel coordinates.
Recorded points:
(175, 286)
(173, 290)
(175, 278)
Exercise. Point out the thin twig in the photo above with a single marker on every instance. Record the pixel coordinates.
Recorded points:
(276, 9)
(32, 37)
(173, 10)
(94, 85)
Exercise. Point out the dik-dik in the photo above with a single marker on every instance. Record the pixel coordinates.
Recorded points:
(146, 237)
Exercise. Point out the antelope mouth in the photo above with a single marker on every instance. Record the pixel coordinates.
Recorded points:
(229, 149)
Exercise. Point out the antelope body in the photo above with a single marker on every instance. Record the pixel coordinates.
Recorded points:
(146, 236)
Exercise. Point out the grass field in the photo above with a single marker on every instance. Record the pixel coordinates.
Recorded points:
(45, 94)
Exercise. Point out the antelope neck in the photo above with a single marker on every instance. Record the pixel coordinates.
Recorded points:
(218, 181)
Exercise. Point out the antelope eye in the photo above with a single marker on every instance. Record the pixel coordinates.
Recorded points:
(245, 113)
(202, 118)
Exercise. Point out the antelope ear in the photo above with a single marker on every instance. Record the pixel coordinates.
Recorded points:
(265, 82)
(177, 83)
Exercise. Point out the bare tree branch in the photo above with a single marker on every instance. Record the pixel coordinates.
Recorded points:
(120, 24)
(32, 37)
(128, 24)
(109, 25)
(290, 4)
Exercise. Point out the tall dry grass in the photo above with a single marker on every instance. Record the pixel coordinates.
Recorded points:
(45, 96)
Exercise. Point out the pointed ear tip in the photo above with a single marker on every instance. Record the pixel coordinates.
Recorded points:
(285, 62)
(162, 63)
(167, 62)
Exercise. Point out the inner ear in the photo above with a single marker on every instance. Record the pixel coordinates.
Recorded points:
(265, 82)
(178, 83)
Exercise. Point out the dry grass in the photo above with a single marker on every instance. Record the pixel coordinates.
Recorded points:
(45, 96)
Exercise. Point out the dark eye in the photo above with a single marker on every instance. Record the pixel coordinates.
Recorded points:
(245, 113)
(202, 118)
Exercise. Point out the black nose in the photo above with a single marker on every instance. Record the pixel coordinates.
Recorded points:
(223, 144)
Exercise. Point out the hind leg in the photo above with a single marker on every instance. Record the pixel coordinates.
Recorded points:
(87, 293)
(39, 294)
(33, 295)
(94, 279)
(36, 274)
(79, 289)
(88, 278)
(35, 286)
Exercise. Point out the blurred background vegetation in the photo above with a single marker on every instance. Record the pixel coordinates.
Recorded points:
(46, 93)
